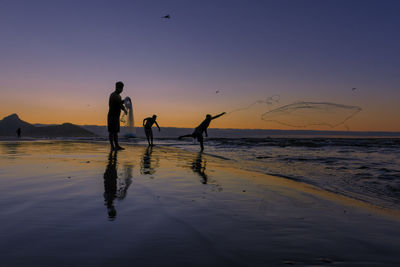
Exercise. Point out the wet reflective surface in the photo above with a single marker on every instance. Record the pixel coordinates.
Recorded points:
(76, 204)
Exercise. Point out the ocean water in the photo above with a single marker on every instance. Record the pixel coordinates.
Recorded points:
(366, 169)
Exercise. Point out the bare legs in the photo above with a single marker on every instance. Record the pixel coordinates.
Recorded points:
(188, 135)
(199, 138)
(150, 138)
(113, 138)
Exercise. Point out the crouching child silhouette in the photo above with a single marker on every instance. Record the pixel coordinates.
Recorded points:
(198, 131)
(147, 124)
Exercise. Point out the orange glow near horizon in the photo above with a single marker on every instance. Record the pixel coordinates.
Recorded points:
(172, 113)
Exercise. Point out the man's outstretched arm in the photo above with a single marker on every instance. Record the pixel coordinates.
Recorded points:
(144, 120)
(157, 126)
(219, 115)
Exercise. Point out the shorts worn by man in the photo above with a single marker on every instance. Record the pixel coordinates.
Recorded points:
(115, 105)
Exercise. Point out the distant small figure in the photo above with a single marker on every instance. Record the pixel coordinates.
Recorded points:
(148, 123)
(198, 131)
(115, 104)
(19, 132)
(166, 17)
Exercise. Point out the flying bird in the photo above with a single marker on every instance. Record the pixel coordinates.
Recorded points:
(166, 17)
(217, 91)
(353, 89)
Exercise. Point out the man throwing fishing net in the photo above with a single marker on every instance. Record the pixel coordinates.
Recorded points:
(198, 131)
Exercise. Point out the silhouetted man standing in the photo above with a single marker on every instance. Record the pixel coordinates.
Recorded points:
(115, 105)
(198, 131)
(19, 132)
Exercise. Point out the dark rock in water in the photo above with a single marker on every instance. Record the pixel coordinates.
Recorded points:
(263, 157)
(289, 262)
(10, 124)
(130, 135)
(326, 260)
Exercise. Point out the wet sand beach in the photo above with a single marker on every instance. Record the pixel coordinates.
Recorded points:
(67, 203)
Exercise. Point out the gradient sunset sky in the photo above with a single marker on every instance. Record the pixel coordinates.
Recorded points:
(60, 59)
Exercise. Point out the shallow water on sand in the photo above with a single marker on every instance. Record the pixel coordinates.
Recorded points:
(366, 169)
(75, 204)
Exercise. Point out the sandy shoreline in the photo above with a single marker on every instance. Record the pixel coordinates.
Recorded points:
(174, 207)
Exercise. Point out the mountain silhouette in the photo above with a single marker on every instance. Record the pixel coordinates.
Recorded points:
(9, 125)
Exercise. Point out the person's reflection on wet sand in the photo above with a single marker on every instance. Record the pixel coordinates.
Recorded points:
(124, 183)
(199, 167)
(110, 185)
(12, 150)
(145, 166)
